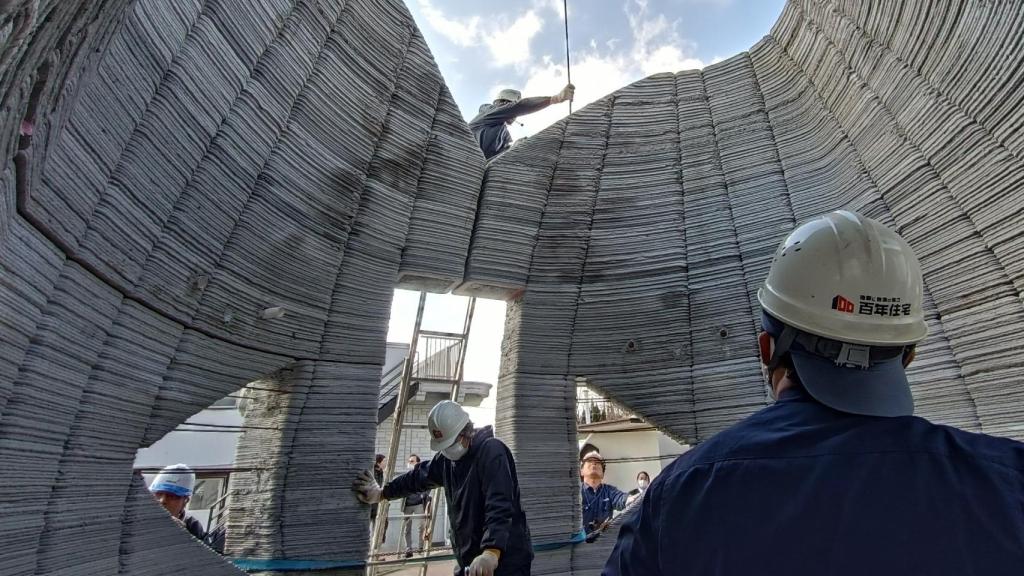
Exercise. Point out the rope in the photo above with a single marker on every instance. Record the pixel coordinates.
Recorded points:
(568, 68)
(288, 565)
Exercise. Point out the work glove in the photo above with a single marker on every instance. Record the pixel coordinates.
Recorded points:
(366, 488)
(565, 95)
(484, 564)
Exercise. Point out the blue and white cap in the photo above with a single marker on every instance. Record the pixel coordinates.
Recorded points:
(178, 479)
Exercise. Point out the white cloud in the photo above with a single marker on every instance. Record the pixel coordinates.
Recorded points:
(598, 71)
(594, 75)
(668, 58)
(464, 32)
(511, 45)
(507, 40)
(657, 47)
(555, 6)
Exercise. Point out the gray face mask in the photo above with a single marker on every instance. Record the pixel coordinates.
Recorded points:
(455, 451)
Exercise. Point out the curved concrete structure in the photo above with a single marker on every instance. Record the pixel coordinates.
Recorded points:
(176, 168)
(182, 167)
(635, 233)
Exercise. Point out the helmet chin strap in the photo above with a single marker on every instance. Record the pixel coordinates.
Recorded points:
(781, 348)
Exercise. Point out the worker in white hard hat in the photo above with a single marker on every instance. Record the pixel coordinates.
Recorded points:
(489, 532)
(490, 126)
(598, 499)
(173, 488)
(837, 477)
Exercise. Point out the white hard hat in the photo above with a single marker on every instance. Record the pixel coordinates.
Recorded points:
(510, 95)
(445, 421)
(843, 300)
(177, 479)
(849, 278)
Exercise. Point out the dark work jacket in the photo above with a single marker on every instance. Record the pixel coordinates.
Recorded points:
(482, 490)
(799, 488)
(416, 499)
(490, 129)
(599, 504)
(194, 527)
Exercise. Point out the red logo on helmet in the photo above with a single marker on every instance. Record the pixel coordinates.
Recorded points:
(842, 304)
(436, 434)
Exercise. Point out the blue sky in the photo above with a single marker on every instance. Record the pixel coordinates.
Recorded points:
(483, 46)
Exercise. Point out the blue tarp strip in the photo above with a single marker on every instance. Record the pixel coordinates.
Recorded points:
(286, 565)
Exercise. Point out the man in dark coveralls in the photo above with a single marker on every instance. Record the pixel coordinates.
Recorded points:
(490, 536)
(837, 477)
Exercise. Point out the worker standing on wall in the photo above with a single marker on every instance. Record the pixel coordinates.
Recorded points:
(490, 127)
(173, 488)
(489, 531)
(837, 477)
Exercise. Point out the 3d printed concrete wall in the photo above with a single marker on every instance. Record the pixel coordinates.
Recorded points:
(181, 167)
(175, 168)
(634, 234)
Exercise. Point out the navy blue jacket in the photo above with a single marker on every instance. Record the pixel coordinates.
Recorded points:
(194, 527)
(799, 488)
(489, 127)
(598, 505)
(482, 491)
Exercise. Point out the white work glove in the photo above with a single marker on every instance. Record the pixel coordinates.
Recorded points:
(484, 564)
(366, 488)
(565, 95)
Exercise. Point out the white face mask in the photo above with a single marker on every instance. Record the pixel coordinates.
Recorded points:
(410, 466)
(455, 451)
(643, 484)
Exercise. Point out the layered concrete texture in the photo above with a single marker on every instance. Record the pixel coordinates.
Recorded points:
(175, 169)
(635, 233)
(178, 174)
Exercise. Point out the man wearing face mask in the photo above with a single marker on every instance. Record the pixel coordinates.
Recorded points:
(490, 536)
(414, 507)
(837, 477)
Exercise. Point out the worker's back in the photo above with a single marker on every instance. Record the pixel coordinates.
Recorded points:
(800, 488)
(489, 128)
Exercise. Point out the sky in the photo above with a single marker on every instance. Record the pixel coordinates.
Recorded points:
(482, 46)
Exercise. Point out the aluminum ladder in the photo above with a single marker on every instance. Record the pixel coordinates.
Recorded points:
(426, 367)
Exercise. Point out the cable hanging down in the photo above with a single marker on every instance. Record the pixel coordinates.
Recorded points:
(568, 68)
